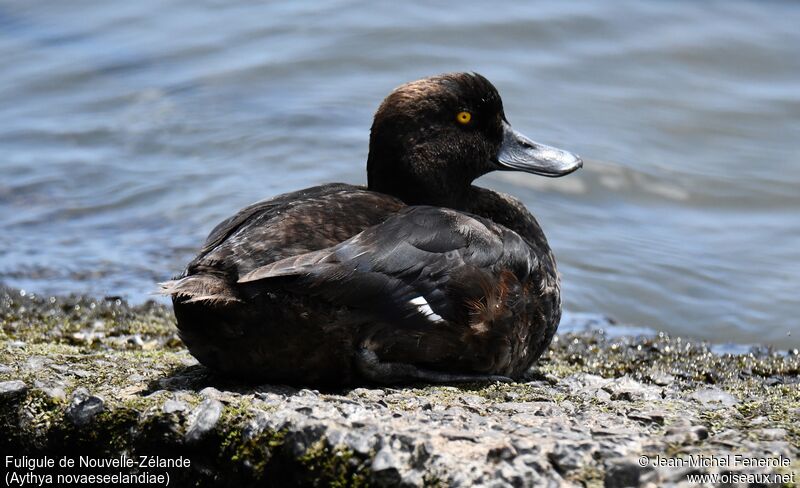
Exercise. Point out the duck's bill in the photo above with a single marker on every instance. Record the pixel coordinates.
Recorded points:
(518, 153)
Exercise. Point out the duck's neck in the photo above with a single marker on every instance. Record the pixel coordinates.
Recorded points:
(415, 195)
(421, 181)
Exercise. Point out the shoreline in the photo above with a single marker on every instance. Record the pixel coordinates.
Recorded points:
(100, 378)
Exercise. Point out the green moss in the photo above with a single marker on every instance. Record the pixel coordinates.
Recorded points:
(115, 428)
(590, 476)
(254, 452)
(84, 322)
(434, 480)
(31, 419)
(333, 466)
(234, 445)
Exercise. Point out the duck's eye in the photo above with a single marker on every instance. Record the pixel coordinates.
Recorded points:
(463, 117)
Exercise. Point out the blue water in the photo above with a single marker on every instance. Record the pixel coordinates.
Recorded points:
(128, 129)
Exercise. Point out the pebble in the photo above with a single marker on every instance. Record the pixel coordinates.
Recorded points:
(627, 389)
(204, 418)
(173, 406)
(624, 473)
(211, 392)
(649, 416)
(686, 435)
(714, 397)
(84, 407)
(661, 378)
(35, 363)
(770, 434)
(570, 456)
(386, 467)
(368, 394)
(11, 390)
(54, 391)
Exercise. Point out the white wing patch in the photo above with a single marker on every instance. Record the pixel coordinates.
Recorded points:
(425, 309)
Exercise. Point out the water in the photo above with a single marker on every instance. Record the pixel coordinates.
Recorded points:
(128, 129)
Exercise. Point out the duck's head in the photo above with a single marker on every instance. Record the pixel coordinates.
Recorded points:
(432, 137)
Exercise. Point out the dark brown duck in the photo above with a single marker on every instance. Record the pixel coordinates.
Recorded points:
(420, 276)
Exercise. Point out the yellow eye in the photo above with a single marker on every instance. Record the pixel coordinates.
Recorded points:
(463, 117)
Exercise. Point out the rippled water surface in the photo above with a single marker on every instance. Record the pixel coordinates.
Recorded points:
(128, 129)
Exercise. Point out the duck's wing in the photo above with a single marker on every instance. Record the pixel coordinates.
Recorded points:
(420, 265)
(295, 222)
(287, 225)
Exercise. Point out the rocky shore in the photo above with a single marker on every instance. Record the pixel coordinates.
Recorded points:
(110, 388)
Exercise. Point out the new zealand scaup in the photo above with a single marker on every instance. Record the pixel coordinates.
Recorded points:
(420, 276)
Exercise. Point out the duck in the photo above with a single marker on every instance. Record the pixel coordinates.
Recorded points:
(417, 277)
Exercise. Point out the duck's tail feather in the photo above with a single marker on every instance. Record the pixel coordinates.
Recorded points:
(200, 288)
(291, 266)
